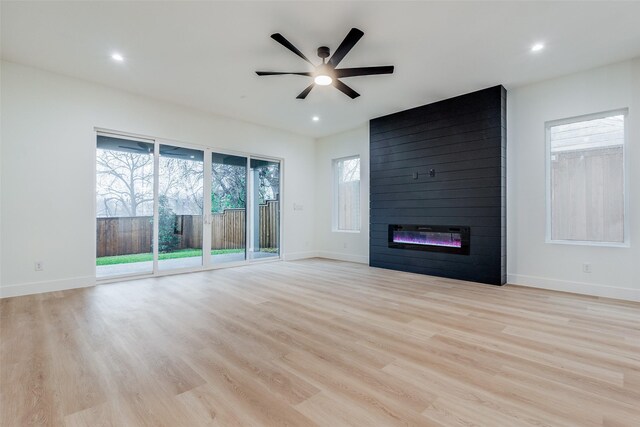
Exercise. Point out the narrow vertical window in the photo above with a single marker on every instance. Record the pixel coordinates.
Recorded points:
(346, 178)
(586, 179)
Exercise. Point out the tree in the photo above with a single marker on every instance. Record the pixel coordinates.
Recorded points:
(124, 183)
(269, 182)
(182, 182)
(228, 187)
(168, 241)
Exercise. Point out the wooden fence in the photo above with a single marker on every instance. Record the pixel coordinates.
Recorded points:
(349, 205)
(584, 205)
(133, 235)
(228, 229)
(123, 235)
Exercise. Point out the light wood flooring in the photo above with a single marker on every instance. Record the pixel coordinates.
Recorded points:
(317, 342)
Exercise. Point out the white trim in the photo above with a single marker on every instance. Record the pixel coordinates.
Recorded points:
(207, 166)
(46, 286)
(590, 243)
(281, 205)
(593, 289)
(173, 271)
(124, 135)
(360, 259)
(248, 212)
(625, 178)
(122, 278)
(95, 202)
(586, 117)
(156, 206)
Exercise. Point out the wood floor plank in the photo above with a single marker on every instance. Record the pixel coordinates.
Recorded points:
(317, 342)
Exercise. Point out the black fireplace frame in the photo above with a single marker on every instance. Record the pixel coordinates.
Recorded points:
(465, 238)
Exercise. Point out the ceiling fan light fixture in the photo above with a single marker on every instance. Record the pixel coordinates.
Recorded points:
(323, 80)
(537, 47)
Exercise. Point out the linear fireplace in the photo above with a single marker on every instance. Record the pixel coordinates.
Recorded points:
(435, 238)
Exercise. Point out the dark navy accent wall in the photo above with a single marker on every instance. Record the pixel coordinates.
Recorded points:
(462, 139)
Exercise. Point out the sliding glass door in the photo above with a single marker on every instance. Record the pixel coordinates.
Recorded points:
(124, 206)
(180, 207)
(228, 208)
(265, 202)
(165, 207)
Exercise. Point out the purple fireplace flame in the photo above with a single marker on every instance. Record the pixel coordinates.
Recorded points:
(450, 240)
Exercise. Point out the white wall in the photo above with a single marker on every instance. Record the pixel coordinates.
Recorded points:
(48, 161)
(345, 246)
(47, 167)
(531, 261)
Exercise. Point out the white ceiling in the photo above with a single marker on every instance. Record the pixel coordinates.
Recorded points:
(204, 54)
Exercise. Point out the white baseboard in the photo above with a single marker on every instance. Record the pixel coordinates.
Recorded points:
(361, 259)
(592, 289)
(299, 255)
(46, 286)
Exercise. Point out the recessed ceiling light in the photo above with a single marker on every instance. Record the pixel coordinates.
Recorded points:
(117, 57)
(315, 118)
(537, 47)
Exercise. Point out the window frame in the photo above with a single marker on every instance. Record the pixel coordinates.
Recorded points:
(625, 178)
(336, 201)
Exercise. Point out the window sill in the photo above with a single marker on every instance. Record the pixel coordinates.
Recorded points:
(589, 243)
(346, 231)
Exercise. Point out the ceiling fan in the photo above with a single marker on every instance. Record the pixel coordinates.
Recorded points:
(326, 73)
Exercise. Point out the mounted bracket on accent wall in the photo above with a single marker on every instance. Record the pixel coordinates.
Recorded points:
(415, 175)
(432, 172)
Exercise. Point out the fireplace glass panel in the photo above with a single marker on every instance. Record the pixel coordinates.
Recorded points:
(434, 238)
(451, 240)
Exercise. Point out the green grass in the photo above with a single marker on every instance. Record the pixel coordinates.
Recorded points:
(270, 250)
(181, 253)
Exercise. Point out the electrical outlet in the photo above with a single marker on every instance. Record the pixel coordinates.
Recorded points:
(344, 245)
(586, 267)
(38, 266)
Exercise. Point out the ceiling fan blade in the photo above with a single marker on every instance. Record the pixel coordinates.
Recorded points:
(345, 89)
(363, 71)
(286, 43)
(347, 44)
(279, 73)
(305, 92)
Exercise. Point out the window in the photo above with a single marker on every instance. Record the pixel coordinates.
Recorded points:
(586, 184)
(346, 177)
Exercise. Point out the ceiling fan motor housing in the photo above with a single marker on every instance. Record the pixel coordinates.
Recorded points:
(323, 52)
